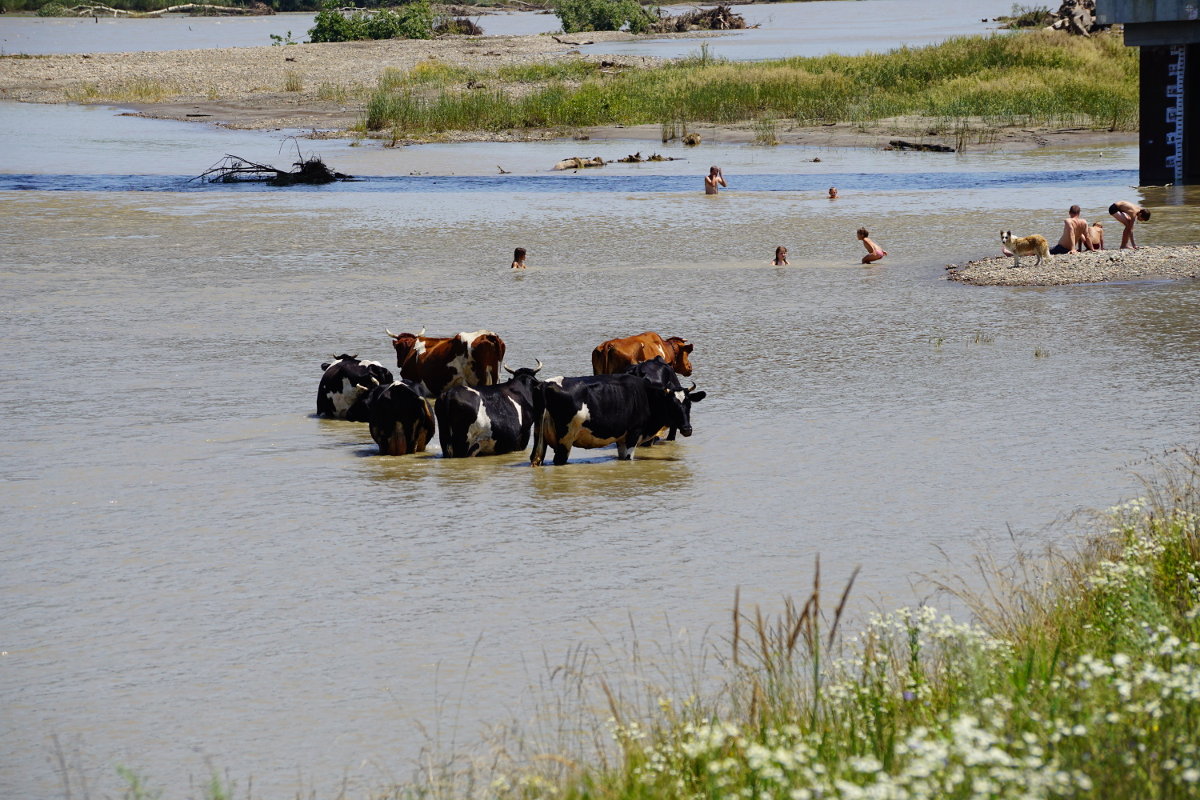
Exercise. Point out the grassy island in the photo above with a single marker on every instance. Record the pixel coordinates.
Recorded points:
(1042, 78)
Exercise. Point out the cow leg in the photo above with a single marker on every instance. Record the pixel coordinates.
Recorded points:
(671, 434)
(623, 451)
(561, 452)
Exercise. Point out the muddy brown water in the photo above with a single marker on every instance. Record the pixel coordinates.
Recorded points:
(197, 573)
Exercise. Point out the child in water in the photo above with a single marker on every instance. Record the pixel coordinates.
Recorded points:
(780, 257)
(874, 251)
(833, 193)
(518, 258)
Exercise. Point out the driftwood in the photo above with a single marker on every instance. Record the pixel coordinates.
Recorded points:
(1077, 17)
(638, 158)
(235, 169)
(579, 163)
(720, 18)
(900, 144)
(199, 9)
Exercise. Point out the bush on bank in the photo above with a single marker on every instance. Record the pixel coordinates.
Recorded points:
(413, 20)
(604, 15)
(1035, 78)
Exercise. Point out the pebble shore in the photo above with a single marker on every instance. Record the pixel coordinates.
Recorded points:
(1177, 262)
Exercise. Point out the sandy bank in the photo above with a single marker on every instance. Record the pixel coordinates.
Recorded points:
(1104, 266)
(324, 88)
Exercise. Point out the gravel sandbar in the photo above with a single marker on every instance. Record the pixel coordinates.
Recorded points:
(1177, 262)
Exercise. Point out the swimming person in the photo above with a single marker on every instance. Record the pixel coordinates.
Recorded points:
(780, 257)
(1125, 213)
(713, 179)
(1074, 235)
(874, 251)
(518, 258)
(833, 193)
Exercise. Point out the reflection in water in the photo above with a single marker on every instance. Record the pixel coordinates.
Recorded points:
(181, 534)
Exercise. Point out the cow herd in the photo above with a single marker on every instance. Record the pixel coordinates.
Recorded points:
(633, 397)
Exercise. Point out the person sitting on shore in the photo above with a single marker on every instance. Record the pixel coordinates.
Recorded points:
(833, 193)
(780, 257)
(1074, 235)
(1125, 213)
(713, 179)
(1096, 236)
(874, 251)
(518, 258)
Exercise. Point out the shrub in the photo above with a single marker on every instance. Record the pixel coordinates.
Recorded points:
(604, 15)
(411, 21)
(52, 10)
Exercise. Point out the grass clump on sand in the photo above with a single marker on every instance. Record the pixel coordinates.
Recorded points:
(1079, 678)
(140, 90)
(1038, 78)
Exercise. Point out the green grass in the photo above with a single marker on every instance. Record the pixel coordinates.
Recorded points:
(141, 90)
(1036, 78)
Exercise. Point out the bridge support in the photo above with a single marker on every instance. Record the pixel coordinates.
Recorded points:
(1168, 33)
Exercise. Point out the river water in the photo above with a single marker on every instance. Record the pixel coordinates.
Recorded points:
(784, 29)
(199, 574)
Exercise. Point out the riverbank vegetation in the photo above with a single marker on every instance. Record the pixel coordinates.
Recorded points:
(1038, 78)
(1080, 677)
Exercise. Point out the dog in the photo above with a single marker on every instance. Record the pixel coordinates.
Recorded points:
(1025, 246)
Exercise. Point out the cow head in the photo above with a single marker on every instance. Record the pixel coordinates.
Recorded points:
(524, 374)
(405, 344)
(675, 405)
(680, 362)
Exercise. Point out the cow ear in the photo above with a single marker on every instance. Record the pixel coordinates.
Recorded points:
(687, 347)
(696, 397)
(325, 365)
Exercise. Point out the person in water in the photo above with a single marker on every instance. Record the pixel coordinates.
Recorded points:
(1125, 213)
(518, 258)
(780, 257)
(874, 251)
(713, 179)
(1096, 236)
(1074, 236)
(833, 193)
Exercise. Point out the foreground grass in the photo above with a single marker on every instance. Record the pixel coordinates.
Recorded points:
(1080, 678)
(1039, 78)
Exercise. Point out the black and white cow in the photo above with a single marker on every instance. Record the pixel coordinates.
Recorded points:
(345, 384)
(400, 419)
(599, 410)
(657, 370)
(487, 420)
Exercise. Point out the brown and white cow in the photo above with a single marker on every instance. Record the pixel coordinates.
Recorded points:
(435, 363)
(617, 355)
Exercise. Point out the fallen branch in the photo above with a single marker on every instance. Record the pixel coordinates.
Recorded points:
(235, 169)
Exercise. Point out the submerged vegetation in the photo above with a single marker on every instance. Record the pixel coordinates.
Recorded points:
(1037, 78)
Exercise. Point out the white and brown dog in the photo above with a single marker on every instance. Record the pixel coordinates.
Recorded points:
(1024, 246)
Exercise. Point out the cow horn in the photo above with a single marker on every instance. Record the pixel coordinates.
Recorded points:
(539, 367)
(393, 335)
(693, 387)
(506, 369)
(422, 333)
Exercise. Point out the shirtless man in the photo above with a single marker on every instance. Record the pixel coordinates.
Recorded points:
(1096, 235)
(713, 179)
(1075, 234)
(1125, 213)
